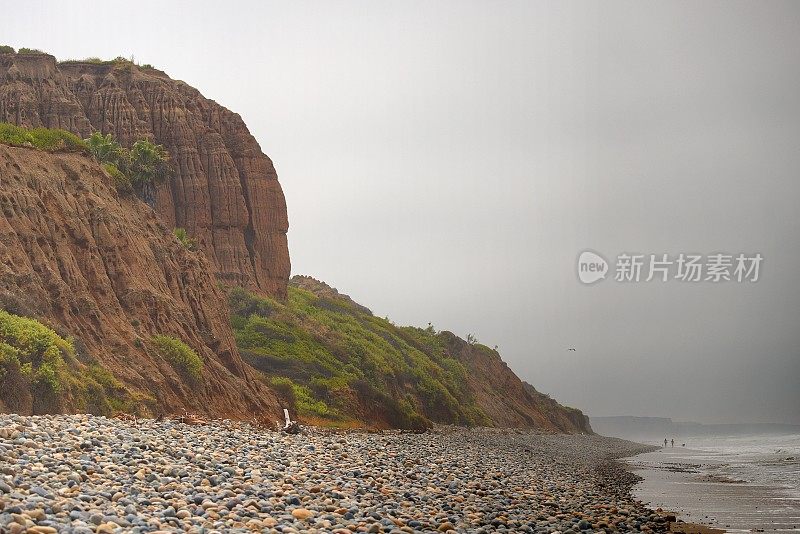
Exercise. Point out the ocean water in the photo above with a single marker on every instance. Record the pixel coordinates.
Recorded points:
(769, 460)
(734, 482)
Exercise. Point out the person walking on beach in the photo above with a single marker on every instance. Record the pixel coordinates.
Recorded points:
(672, 441)
(665, 443)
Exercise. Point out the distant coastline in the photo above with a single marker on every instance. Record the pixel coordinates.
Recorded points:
(658, 428)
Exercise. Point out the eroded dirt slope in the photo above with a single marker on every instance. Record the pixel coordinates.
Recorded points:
(105, 269)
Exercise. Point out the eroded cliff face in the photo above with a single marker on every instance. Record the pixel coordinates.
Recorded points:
(507, 400)
(225, 192)
(105, 269)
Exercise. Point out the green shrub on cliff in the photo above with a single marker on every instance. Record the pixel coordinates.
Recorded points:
(9, 359)
(328, 350)
(105, 149)
(184, 239)
(121, 182)
(47, 139)
(140, 169)
(148, 167)
(148, 163)
(301, 399)
(14, 135)
(97, 61)
(5, 49)
(51, 140)
(180, 355)
(37, 349)
(117, 62)
(31, 359)
(41, 372)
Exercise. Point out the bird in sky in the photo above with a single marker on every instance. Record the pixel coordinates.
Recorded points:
(571, 349)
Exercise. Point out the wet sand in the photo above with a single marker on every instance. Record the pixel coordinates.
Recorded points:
(686, 483)
(693, 528)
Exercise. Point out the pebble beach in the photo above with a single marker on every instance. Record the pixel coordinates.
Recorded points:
(82, 474)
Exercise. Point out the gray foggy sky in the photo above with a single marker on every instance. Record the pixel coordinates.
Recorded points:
(447, 162)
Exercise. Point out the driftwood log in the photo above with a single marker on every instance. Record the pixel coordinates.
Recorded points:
(289, 426)
(189, 418)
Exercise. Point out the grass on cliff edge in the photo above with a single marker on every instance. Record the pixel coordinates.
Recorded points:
(335, 362)
(47, 139)
(138, 169)
(117, 61)
(39, 372)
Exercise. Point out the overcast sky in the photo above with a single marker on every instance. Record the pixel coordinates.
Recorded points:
(448, 161)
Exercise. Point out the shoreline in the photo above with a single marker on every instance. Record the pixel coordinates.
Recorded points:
(92, 474)
(694, 485)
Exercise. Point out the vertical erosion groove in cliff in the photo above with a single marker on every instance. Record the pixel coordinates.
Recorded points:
(225, 192)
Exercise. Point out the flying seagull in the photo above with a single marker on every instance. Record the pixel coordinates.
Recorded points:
(573, 350)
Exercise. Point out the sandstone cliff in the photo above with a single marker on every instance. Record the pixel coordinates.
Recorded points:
(106, 270)
(558, 414)
(225, 192)
(507, 400)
